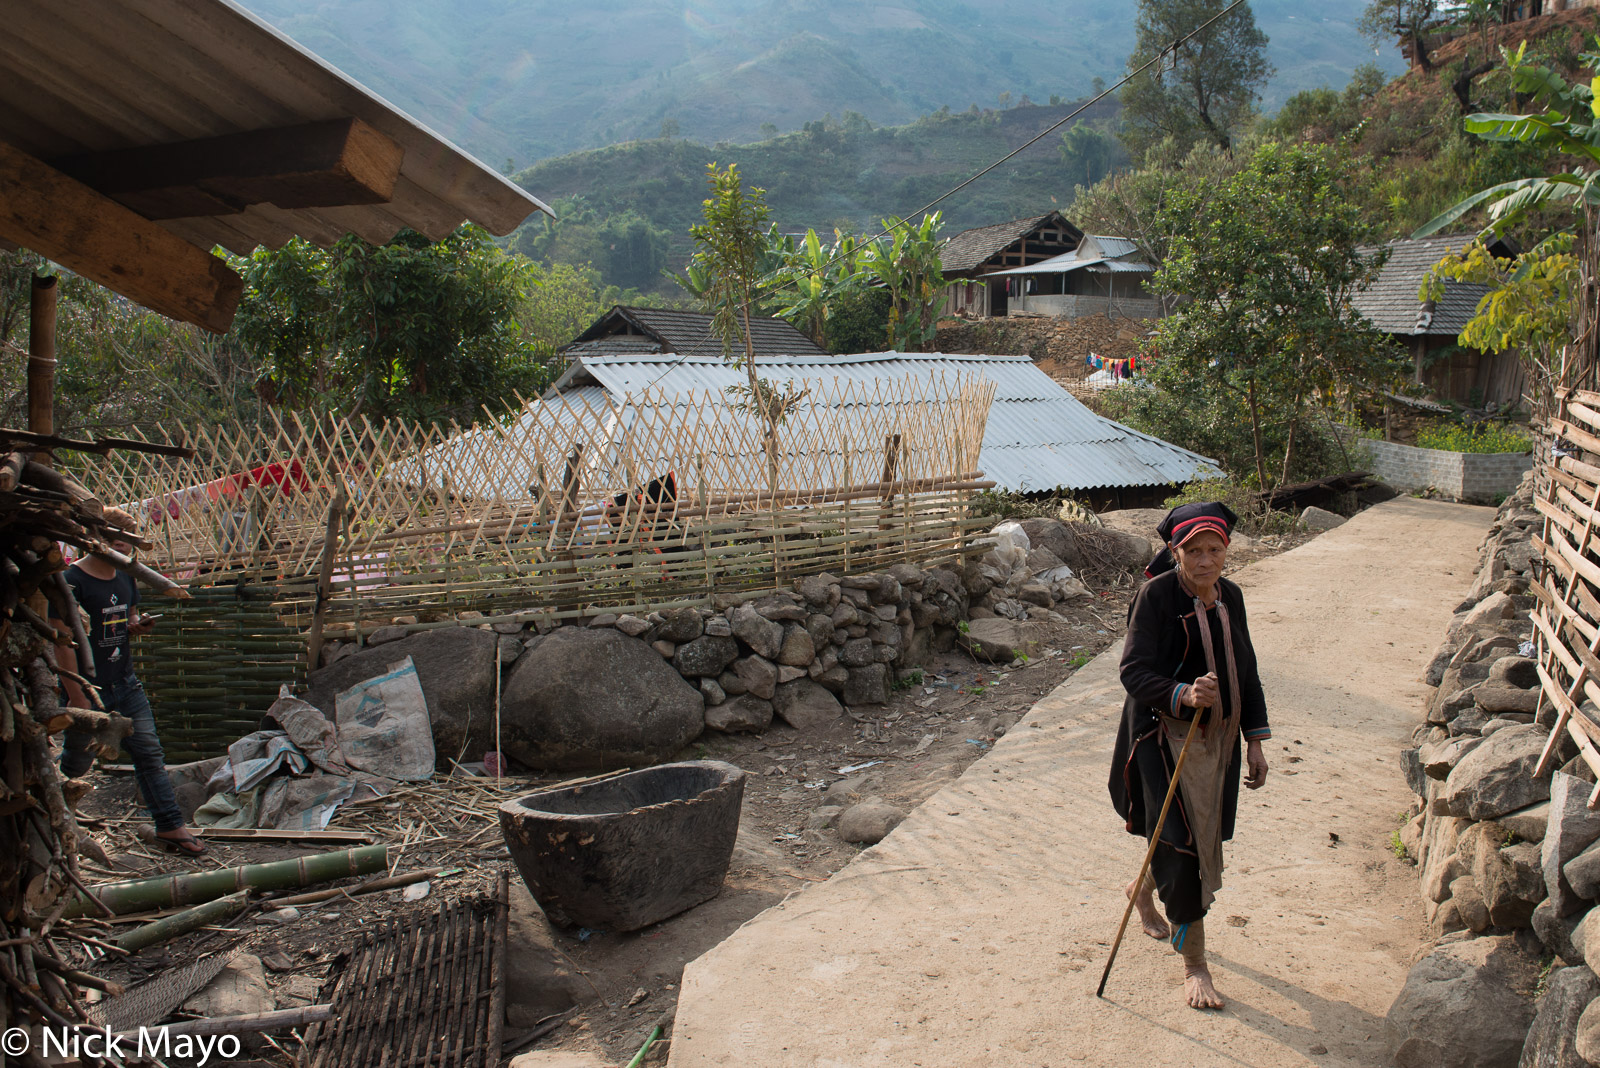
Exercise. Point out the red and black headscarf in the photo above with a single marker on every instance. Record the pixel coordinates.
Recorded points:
(1183, 523)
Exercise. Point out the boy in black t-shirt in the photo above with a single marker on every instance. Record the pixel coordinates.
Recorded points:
(111, 601)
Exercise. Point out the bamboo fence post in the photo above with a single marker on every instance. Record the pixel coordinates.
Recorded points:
(330, 542)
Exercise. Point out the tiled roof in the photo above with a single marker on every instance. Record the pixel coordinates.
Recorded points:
(1392, 304)
(683, 332)
(968, 250)
(612, 345)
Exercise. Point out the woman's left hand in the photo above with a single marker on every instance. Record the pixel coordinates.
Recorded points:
(1256, 763)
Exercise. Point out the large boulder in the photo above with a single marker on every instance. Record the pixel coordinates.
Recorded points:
(1320, 519)
(1054, 536)
(805, 705)
(1556, 932)
(456, 667)
(596, 699)
(869, 822)
(680, 625)
(740, 714)
(705, 657)
(867, 685)
(1497, 776)
(999, 641)
(1570, 828)
(1586, 1039)
(762, 635)
(1510, 881)
(1552, 1040)
(1581, 877)
(1461, 1007)
(1130, 552)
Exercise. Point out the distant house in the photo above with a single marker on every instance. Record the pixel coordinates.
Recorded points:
(970, 257)
(1102, 276)
(1430, 330)
(626, 331)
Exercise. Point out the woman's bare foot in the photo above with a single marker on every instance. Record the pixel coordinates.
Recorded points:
(1149, 917)
(1197, 988)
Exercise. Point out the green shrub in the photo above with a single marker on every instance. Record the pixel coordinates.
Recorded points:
(1484, 437)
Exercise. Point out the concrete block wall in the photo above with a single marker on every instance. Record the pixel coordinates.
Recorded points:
(1466, 476)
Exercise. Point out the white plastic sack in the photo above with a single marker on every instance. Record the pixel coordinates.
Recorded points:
(383, 725)
(1010, 536)
(1053, 575)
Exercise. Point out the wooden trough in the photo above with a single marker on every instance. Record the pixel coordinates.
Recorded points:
(629, 851)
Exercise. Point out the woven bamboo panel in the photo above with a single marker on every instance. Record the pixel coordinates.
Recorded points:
(1567, 616)
(552, 510)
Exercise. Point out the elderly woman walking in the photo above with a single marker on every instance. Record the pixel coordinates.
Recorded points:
(1187, 665)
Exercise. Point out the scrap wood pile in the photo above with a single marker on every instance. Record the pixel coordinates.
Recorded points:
(40, 840)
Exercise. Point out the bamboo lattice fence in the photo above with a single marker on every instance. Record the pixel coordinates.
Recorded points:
(556, 509)
(1567, 616)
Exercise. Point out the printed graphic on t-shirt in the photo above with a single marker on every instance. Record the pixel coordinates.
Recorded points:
(113, 630)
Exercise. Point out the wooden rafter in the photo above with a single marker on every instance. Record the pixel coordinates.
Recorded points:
(83, 230)
(322, 164)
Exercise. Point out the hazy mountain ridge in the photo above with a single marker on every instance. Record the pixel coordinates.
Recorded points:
(529, 79)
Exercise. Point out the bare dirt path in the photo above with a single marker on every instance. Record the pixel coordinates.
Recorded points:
(975, 933)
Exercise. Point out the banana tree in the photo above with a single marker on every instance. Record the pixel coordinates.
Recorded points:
(907, 264)
(1569, 125)
(812, 277)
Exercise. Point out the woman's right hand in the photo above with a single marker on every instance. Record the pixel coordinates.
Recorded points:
(1203, 692)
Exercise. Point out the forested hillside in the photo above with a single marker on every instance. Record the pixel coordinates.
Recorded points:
(837, 174)
(528, 79)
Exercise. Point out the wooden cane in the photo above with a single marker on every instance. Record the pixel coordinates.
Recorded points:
(1155, 840)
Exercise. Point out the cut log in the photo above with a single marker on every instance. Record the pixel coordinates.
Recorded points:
(64, 220)
(320, 165)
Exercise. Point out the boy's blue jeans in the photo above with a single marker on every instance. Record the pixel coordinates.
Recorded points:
(149, 762)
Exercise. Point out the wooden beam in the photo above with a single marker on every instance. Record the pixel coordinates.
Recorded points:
(64, 220)
(320, 165)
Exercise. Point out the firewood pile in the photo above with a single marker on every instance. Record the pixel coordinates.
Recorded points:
(40, 840)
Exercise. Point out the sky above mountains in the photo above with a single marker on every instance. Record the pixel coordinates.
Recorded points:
(528, 79)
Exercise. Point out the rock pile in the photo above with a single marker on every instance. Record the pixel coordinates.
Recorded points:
(1509, 863)
(619, 689)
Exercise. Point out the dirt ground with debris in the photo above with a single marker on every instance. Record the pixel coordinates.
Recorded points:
(928, 734)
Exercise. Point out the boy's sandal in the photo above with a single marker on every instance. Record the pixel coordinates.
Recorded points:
(188, 845)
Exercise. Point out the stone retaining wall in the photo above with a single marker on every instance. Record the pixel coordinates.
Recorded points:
(1463, 476)
(1509, 862)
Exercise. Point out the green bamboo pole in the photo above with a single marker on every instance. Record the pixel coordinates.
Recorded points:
(168, 890)
(170, 927)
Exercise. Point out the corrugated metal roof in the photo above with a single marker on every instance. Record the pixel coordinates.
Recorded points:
(1039, 436)
(100, 75)
(1069, 263)
(1392, 304)
(1114, 247)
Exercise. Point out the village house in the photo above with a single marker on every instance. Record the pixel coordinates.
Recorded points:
(1430, 330)
(624, 330)
(972, 256)
(1102, 276)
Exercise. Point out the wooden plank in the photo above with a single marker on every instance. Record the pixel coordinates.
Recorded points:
(329, 164)
(259, 834)
(1577, 435)
(66, 221)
